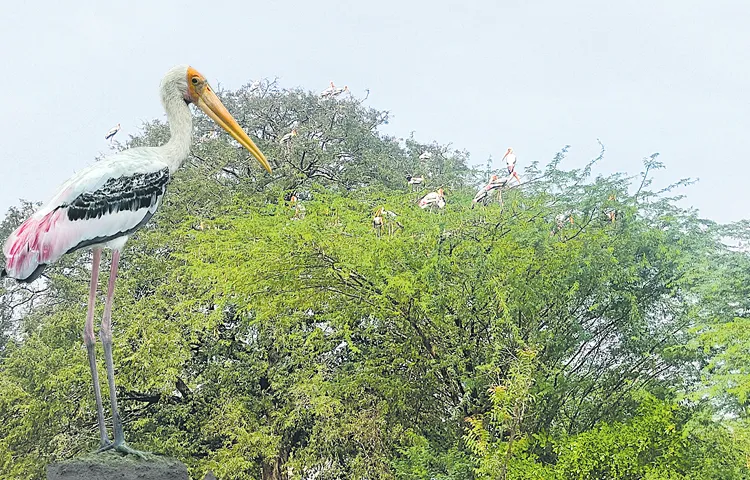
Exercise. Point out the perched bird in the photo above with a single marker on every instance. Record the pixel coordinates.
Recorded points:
(112, 132)
(288, 137)
(611, 211)
(483, 195)
(510, 160)
(560, 220)
(328, 92)
(102, 205)
(339, 91)
(433, 199)
(378, 221)
(299, 209)
(385, 218)
(425, 156)
(415, 182)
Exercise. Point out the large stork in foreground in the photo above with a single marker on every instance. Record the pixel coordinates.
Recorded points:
(102, 205)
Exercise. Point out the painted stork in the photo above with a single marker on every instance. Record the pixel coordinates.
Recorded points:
(385, 218)
(102, 205)
(328, 92)
(610, 211)
(483, 195)
(433, 199)
(415, 182)
(338, 91)
(112, 132)
(510, 160)
(299, 209)
(288, 137)
(560, 220)
(378, 221)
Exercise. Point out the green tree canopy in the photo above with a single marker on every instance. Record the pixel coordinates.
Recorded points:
(585, 328)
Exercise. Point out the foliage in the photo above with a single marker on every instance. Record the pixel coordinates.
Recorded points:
(495, 342)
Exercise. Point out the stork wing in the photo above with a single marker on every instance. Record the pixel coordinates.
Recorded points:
(108, 200)
(480, 195)
(125, 193)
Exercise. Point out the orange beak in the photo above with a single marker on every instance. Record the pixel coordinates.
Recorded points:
(212, 106)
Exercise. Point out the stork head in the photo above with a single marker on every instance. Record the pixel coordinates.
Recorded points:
(194, 88)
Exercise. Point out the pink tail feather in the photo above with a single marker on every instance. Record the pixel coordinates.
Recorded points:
(31, 246)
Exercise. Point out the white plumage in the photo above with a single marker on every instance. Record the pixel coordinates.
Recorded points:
(103, 204)
(483, 195)
(433, 199)
(112, 132)
(328, 92)
(510, 158)
(338, 91)
(414, 181)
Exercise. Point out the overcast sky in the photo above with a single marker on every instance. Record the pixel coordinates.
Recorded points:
(641, 76)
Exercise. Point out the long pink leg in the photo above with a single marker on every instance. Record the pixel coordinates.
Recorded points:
(90, 340)
(106, 334)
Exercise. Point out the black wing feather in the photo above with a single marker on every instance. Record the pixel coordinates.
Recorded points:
(142, 190)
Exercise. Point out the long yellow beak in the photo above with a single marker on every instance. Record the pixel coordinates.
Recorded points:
(212, 106)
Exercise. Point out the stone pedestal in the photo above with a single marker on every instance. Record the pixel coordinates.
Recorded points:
(113, 466)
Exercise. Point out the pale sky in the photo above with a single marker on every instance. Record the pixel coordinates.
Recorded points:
(668, 76)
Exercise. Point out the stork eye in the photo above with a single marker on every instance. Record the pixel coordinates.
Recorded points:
(195, 80)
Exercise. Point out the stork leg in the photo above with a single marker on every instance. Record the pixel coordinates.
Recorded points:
(90, 340)
(106, 335)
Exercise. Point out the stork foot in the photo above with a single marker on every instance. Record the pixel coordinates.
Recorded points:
(123, 448)
(105, 446)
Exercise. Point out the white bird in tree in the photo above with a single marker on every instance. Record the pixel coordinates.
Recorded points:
(299, 209)
(385, 218)
(414, 181)
(560, 220)
(425, 156)
(102, 205)
(510, 160)
(112, 132)
(433, 199)
(338, 91)
(483, 195)
(288, 136)
(328, 92)
(378, 221)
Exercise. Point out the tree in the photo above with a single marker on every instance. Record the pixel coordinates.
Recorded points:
(494, 343)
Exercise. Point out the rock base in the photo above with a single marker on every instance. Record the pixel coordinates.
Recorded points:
(114, 466)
